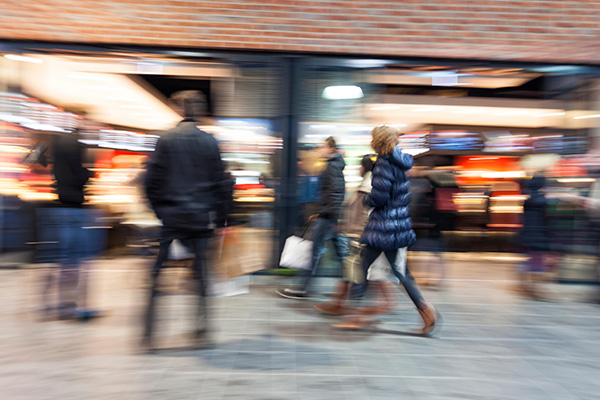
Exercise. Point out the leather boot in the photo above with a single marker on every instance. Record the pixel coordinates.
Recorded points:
(385, 299)
(430, 318)
(335, 304)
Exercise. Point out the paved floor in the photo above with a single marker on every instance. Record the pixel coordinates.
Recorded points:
(493, 345)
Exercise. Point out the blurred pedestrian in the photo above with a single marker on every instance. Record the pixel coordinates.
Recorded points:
(389, 229)
(325, 221)
(428, 221)
(61, 234)
(591, 203)
(533, 237)
(357, 216)
(190, 192)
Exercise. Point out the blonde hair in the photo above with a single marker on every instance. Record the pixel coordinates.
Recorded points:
(385, 138)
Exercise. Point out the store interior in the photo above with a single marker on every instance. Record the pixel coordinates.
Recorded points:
(487, 127)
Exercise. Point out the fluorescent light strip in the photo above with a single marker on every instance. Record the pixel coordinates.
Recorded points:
(587, 116)
(17, 57)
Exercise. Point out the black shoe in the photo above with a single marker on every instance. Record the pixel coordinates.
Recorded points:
(292, 294)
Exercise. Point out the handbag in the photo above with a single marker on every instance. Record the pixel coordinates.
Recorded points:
(297, 252)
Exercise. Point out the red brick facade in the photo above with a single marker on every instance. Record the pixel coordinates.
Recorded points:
(553, 30)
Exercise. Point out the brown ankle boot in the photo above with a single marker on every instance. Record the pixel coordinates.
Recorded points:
(335, 304)
(385, 299)
(430, 318)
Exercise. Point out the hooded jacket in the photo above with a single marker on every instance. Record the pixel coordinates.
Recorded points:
(389, 226)
(333, 188)
(186, 182)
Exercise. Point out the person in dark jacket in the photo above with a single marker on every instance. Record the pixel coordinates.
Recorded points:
(61, 236)
(533, 237)
(333, 189)
(389, 229)
(190, 192)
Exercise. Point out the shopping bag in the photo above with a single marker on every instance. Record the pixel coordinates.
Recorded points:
(296, 253)
(353, 271)
(237, 252)
(381, 270)
(177, 251)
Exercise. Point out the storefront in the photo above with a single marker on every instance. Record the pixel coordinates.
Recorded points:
(473, 119)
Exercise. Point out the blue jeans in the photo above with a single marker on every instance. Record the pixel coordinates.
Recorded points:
(66, 236)
(322, 231)
(408, 281)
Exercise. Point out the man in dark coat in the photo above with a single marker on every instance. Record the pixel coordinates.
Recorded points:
(190, 192)
(325, 221)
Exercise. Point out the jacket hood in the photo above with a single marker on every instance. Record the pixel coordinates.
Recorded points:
(405, 161)
(338, 161)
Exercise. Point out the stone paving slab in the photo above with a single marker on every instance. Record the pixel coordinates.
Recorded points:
(493, 345)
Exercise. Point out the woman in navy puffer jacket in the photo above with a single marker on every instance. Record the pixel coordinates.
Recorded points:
(389, 228)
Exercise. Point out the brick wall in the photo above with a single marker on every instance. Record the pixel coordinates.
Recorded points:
(551, 30)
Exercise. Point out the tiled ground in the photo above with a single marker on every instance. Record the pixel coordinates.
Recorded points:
(493, 345)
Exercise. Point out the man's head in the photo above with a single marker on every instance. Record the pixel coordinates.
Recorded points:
(190, 103)
(328, 148)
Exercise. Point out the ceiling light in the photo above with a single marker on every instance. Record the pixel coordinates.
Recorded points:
(387, 107)
(17, 57)
(550, 115)
(468, 111)
(136, 107)
(368, 63)
(344, 92)
(427, 109)
(587, 116)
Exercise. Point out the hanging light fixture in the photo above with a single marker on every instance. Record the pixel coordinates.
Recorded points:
(343, 92)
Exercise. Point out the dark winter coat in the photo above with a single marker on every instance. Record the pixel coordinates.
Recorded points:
(333, 188)
(534, 234)
(186, 183)
(68, 170)
(389, 226)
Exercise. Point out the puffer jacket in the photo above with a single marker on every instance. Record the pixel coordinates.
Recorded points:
(389, 226)
(333, 188)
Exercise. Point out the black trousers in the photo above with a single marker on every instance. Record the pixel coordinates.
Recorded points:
(197, 242)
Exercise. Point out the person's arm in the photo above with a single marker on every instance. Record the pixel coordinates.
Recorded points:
(326, 205)
(381, 187)
(156, 175)
(222, 185)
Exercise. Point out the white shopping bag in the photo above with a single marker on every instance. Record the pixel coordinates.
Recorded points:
(177, 251)
(296, 253)
(231, 287)
(381, 270)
